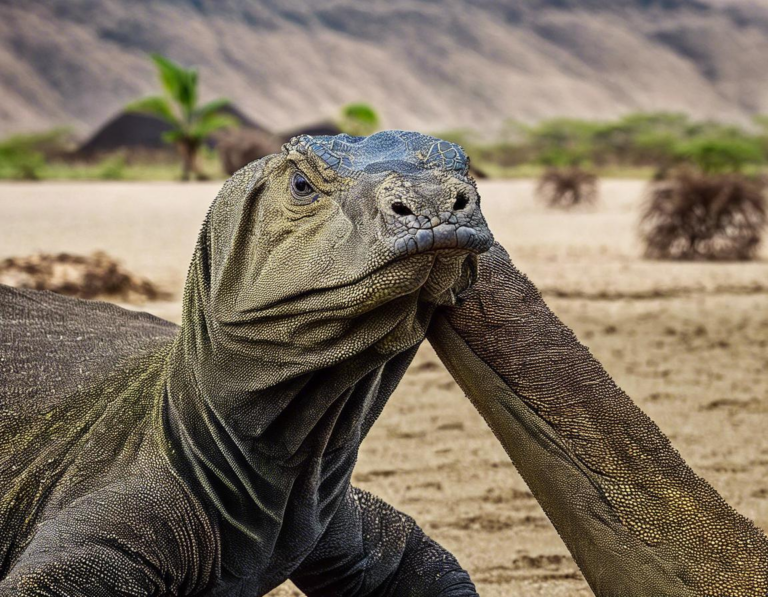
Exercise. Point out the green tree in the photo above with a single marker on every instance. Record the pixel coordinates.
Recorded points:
(718, 155)
(639, 139)
(191, 123)
(359, 120)
(762, 123)
(24, 157)
(563, 142)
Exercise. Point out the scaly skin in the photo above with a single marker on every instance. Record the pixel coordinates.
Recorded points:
(215, 459)
(637, 519)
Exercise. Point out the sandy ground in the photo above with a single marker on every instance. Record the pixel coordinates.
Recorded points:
(689, 342)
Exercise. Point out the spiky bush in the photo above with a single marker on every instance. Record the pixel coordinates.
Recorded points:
(691, 215)
(567, 186)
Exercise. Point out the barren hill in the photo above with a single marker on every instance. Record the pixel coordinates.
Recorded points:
(425, 64)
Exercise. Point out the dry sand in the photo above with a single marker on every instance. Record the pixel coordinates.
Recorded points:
(689, 342)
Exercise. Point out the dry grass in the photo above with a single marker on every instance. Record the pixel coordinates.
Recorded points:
(92, 276)
(567, 187)
(699, 217)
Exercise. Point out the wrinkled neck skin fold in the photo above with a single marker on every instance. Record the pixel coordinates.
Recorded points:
(637, 519)
(265, 408)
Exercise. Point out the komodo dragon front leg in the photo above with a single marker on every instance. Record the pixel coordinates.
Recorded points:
(638, 521)
(83, 554)
(372, 550)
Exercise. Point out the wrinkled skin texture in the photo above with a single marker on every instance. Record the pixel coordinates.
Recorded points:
(215, 459)
(637, 519)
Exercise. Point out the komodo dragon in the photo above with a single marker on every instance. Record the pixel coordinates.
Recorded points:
(215, 459)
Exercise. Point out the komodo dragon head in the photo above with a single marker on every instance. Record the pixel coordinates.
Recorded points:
(339, 243)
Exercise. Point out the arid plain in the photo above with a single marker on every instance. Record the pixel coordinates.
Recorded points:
(688, 342)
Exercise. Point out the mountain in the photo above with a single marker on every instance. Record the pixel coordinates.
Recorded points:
(424, 64)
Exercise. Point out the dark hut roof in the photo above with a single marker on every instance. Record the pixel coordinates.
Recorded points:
(127, 130)
(132, 130)
(246, 121)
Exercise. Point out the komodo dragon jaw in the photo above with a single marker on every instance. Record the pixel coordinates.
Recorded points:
(637, 520)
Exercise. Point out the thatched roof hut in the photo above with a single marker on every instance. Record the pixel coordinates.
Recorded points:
(134, 131)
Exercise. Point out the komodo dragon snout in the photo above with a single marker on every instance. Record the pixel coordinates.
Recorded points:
(432, 211)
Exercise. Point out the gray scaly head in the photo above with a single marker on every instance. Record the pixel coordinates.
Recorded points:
(339, 243)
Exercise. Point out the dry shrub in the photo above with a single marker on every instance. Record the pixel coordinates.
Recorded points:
(694, 216)
(567, 187)
(241, 147)
(96, 275)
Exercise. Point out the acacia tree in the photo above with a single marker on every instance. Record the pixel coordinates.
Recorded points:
(178, 105)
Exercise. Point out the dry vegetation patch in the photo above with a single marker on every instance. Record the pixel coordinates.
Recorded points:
(82, 276)
(567, 187)
(696, 216)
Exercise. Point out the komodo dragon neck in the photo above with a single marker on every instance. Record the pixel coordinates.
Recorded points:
(268, 442)
(636, 518)
(313, 281)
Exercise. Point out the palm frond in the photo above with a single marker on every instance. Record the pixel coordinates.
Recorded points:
(212, 107)
(178, 82)
(169, 73)
(156, 106)
(188, 92)
(175, 136)
(211, 123)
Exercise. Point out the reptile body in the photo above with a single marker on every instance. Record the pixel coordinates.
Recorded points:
(215, 458)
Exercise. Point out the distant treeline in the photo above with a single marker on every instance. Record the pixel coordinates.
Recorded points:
(637, 144)
(658, 140)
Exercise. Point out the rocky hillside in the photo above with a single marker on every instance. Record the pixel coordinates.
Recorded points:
(423, 63)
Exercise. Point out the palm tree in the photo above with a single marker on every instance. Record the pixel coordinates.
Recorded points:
(178, 106)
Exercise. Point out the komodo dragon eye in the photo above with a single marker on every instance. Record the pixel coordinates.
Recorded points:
(301, 190)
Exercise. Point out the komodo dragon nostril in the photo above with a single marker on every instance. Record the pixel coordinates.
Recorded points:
(461, 201)
(401, 209)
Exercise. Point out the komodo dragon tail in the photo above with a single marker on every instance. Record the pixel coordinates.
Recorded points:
(637, 519)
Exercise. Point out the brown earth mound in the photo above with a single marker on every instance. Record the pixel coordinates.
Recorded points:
(240, 147)
(88, 277)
